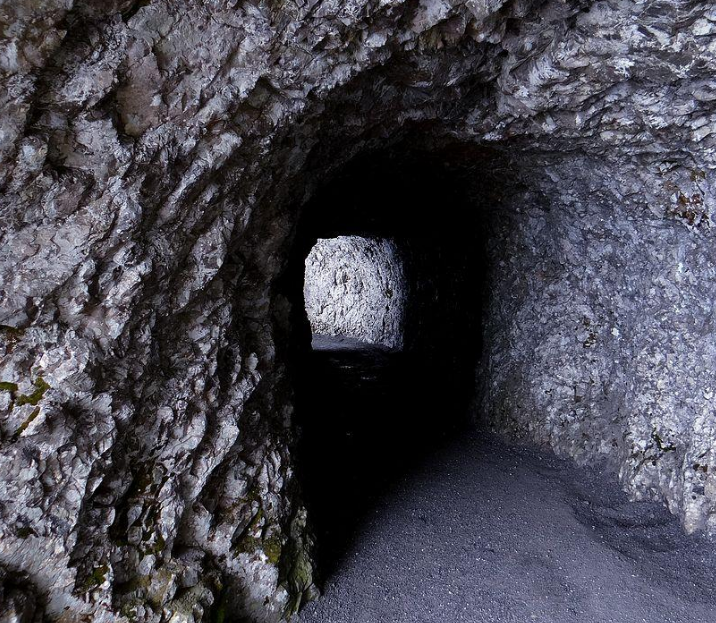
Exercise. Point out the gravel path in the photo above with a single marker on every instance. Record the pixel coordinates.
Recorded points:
(474, 530)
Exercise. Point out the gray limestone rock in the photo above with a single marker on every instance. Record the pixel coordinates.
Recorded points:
(356, 287)
(154, 157)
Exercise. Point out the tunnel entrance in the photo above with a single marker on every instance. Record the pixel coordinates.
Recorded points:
(416, 507)
(394, 272)
(355, 288)
(551, 162)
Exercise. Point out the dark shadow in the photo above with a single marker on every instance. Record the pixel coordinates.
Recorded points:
(368, 417)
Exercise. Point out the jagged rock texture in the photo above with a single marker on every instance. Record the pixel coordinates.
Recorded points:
(600, 328)
(355, 286)
(154, 158)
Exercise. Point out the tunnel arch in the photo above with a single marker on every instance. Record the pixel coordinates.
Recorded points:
(354, 288)
(152, 195)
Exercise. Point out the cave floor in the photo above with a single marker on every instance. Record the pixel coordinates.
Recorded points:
(421, 520)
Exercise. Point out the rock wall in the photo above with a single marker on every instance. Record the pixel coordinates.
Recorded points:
(599, 334)
(154, 156)
(356, 287)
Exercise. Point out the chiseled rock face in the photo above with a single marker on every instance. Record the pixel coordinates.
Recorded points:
(599, 336)
(356, 287)
(154, 155)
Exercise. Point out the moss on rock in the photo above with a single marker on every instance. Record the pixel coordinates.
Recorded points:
(41, 386)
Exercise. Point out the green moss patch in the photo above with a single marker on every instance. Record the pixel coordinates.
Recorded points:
(24, 532)
(94, 579)
(11, 336)
(220, 611)
(25, 424)
(32, 399)
(272, 548)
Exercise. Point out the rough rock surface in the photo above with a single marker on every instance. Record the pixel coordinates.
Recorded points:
(356, 287)
(153, 158)
(599, 337)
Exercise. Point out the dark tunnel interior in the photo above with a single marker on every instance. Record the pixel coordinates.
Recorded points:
(399, 439)
(368, 415)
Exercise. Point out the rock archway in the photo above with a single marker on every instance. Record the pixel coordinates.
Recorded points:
(155, 159)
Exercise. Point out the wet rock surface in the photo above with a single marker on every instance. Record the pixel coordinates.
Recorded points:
(460, 527)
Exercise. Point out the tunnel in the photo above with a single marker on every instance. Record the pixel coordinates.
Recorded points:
(395, 332)
(357, 311)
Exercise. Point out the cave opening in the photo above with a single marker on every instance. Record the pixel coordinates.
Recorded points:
(355, 291)
(396, 457)
(392, 293)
